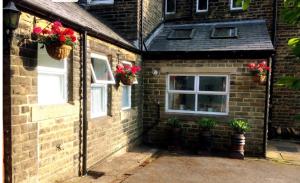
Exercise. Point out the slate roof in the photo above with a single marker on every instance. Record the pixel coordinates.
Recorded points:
(252, 35)
(76, 14)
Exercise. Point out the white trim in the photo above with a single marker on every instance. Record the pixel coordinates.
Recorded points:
(98, 2)
(200, 11)
(104, 113)
(236, 8)
(166, 8)
(196, 92)
(102, 57)
(129, 105)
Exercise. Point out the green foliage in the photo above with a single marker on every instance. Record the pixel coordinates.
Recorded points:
(207, 123)
(174, 122)
(297, 117)
(289, 82)
(240, 125)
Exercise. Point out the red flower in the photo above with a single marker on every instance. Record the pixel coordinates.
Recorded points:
(62, 38)
(251, 66)
(46, 31)
(120, 69)
(69, 32)
(135, 69)
(73, 38)
(37, 30)
(57, 24)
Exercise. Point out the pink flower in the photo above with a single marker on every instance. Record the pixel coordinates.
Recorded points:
(57, 24)
(46, 31)
(37, 30)
(120, 69)
(251, 66)
(135, 69)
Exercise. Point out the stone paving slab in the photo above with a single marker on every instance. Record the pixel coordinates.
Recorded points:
(284, 151)
(116, 168)
(176, 168)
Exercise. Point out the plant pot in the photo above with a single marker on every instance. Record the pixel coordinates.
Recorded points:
(237, 146)
(175, 138)
(205, 141)
(126, 80)
(260, 79)
(58, 51)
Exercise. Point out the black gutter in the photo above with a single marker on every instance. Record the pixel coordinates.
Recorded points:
(43, 13)
(239, 54)
(84, 106)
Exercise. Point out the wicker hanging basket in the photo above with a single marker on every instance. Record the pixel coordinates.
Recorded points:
(58, 51)
(260, 79)
(126, 81)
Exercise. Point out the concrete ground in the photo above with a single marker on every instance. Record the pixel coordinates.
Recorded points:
(172, 168)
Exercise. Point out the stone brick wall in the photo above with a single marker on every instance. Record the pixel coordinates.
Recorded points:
(42, 142)
(107, 135)
(286, 103)
(152, 15)
(247, 100)
(122, 16)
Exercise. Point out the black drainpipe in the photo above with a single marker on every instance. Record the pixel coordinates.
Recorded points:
(141, 26)
(84, 106)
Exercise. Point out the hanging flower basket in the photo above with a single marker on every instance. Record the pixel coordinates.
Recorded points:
(58, 51)
(58, 40)
(126, 73)
(260, 79)
(127, 81)
(259, 72)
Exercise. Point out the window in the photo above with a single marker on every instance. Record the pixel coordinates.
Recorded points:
(236, 4)
(181, 34)
(126, 97)
(203, 94)
(52, 79)
(96, 2)
(170, 6)
(101, 76)
(224, 32)
(202, 6)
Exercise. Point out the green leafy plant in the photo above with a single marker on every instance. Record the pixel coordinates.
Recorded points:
(207, 123)
(240, 125)
(174, 122)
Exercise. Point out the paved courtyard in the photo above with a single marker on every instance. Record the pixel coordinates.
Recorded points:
(172, 168)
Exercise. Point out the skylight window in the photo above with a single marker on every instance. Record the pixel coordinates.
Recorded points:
(224, 32)
(181, 34)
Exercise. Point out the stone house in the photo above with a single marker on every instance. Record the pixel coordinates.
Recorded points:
(173, 42)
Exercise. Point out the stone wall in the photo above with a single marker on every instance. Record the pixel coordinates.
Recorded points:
(247, 100)
(42, 142)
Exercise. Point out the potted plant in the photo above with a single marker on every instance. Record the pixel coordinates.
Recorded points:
(175, 132)
(239, 126)
(205, 135)
(259, 71)
(126, 73)
(57, 39)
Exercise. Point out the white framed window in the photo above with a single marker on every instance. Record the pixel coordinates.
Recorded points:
(126, 97)
(96, 2)
(170, 7)
(199, 94)
(52, 79)
(236, 5)
(202, 6)
(101, 77)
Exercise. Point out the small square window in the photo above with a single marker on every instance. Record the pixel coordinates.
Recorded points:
(181, 34)
(96, 2)
(224, 32)
(236, 4)
(170, 6)
(202, 6)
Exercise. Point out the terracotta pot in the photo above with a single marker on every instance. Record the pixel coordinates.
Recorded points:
(58, 51)
(126, 81)
(237, 146)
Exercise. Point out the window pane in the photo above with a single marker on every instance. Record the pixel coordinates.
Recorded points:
(46, 61)
(236, 4)
(98, 100)
(171, 4)
(212, 103)
(126, 96)
(182, 82)
(101, 69)
(181, 101)
(212, 83)
(51, 88)
(202, 4)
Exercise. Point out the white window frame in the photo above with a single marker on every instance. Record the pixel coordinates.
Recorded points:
(166, 8)
(101, 83)
(236, 8)
(196, 92)
(55, 71)
(98, 2)
(129, 106)
(200, 11)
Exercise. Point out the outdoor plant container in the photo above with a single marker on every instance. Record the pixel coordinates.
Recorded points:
(259, 72)
(126, 73)
(174, 133)
(205, 135)
(238, 139)
(57, 39)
